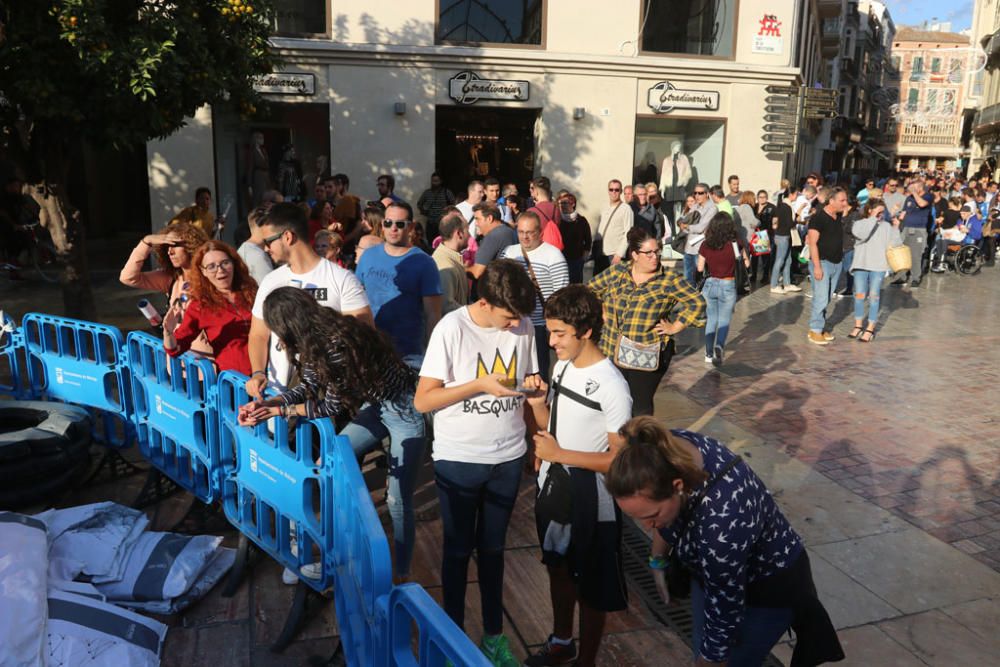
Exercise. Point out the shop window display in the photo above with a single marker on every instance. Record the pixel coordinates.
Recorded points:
(676, 154)
(300, 17)
(693, 27)
(492, 22)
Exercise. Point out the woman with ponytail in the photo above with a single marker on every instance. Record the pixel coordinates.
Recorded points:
(714, 519)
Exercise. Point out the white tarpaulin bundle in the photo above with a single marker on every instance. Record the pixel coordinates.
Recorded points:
(23, 562)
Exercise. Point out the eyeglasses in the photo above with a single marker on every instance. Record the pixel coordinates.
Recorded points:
(614, 189)
(700, 192)
(398, 224)
(212, 268)
(650, 253)
(271, 239)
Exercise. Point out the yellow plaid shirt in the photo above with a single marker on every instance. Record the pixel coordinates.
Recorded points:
(634, 310)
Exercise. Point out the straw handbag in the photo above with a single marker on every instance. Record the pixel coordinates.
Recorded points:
(899, 258)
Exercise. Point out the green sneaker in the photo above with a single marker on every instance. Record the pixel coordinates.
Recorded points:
(497, 651)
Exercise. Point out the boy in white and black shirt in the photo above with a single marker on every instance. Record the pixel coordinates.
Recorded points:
(579, 525)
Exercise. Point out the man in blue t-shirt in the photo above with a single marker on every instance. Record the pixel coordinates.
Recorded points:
(916, 219)
(403, 285)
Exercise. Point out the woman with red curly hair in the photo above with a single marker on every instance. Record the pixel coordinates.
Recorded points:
(222, 293)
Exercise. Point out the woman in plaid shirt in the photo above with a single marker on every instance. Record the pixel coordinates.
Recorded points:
(638, 295)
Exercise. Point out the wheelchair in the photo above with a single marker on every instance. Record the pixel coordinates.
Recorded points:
(965, 259)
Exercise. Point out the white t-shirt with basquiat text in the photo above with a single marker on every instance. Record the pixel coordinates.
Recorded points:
(331, 285)
(483, 428)
(593, 401)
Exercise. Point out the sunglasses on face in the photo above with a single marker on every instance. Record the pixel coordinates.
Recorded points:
(700, 192)
(398, 224)
(614, 189)
(212, 268)
(271, 239)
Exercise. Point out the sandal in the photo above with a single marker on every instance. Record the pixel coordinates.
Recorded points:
(855, 332)
(870, 333)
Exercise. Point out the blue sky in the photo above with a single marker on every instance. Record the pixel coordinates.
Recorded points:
(915, 12)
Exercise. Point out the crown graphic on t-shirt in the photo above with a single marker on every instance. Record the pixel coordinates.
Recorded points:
(499, 366)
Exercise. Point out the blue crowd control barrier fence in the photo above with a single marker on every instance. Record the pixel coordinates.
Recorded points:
(360, 559)
(438, 639)
(175, 414)
(12, 360)
(81, 362)
(272, 487)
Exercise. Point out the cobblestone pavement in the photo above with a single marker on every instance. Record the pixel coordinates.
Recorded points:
(884, 457)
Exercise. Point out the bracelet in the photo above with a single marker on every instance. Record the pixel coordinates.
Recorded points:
(264, 373)
(658, 562)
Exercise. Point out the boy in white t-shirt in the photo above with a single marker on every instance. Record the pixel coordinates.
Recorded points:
(477, 359)
(579, 525)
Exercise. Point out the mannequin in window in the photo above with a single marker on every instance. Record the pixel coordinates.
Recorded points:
(290, 174)
(258, 169)
(645, 171)
(676, 177)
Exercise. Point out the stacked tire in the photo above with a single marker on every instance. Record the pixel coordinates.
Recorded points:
(43, 447)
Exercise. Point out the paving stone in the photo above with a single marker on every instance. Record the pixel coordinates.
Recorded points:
(849, 603)
(940, 640)
(866, 646)
(906, 570)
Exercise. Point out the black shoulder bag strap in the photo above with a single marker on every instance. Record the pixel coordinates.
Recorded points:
(554, 411)
(608, 223)
(531, 274)
(874, 229)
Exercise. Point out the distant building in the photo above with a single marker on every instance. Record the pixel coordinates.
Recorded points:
(933, 68)
(982, 108)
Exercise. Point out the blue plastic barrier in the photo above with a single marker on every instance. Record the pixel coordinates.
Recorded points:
(360, 560)
(271, 482)
(12, 360)
(175, 414)
(438, 639)
(81, 362)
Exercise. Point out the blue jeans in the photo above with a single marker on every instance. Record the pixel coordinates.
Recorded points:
(404, 427)
(822, 293)
(846, 269)
(761, 629)
(476, 503)
(867, 283)
(782, 261)
(720, 299)
(691, 268)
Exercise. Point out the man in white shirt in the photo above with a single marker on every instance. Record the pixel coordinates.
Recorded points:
(286, 239)
(474, 195)
(548, 271)
(588, 403)
(616, 219)
(476, 359)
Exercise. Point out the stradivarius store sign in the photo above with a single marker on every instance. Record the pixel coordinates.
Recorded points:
(467, 87)
(664, 97)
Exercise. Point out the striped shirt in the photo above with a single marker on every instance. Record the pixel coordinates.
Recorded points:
(550, 270)
(395, 381)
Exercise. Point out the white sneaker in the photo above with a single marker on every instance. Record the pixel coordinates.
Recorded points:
(289, 578)
(312, 571)
(792, 288)
(778, 290)
(709, 359)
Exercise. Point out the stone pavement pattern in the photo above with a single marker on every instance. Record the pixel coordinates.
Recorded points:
(884, 457)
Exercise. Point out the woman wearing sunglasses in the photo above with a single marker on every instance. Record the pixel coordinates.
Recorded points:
(174, 248)
(222, 293)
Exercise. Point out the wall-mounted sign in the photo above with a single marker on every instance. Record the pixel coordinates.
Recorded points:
(468, 88)
(286, 83)
(664, 98)
(768, 38)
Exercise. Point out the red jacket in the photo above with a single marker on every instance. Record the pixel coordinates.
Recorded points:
(227, 330)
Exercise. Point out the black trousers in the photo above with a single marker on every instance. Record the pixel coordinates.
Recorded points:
(643, 384)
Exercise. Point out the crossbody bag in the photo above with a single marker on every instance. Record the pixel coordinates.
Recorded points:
(555, 499)
(636, 356)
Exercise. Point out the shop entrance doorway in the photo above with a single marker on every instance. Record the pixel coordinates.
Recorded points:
(475, 144)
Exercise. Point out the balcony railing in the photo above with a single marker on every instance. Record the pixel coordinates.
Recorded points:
(987, 116)
(941, 133)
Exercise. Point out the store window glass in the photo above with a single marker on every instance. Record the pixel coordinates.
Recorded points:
(676, 154)
(300, 17)
(284, 148)
(491, 21)
(693, 27)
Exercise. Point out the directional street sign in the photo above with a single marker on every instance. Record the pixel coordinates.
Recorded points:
(777, 148)
(782, 90)
(779, 139)
(781, 100)
(822, 113)
(780, 117)
(780, 127)
(819, 92)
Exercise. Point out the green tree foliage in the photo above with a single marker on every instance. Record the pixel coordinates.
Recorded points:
(115, 73)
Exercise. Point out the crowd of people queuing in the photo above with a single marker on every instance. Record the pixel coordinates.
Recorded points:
(481, 319)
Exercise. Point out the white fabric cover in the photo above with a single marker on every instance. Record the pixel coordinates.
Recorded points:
(93, 540)
(24, 546)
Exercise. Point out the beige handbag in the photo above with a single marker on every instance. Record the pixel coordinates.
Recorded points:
(899, 258)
